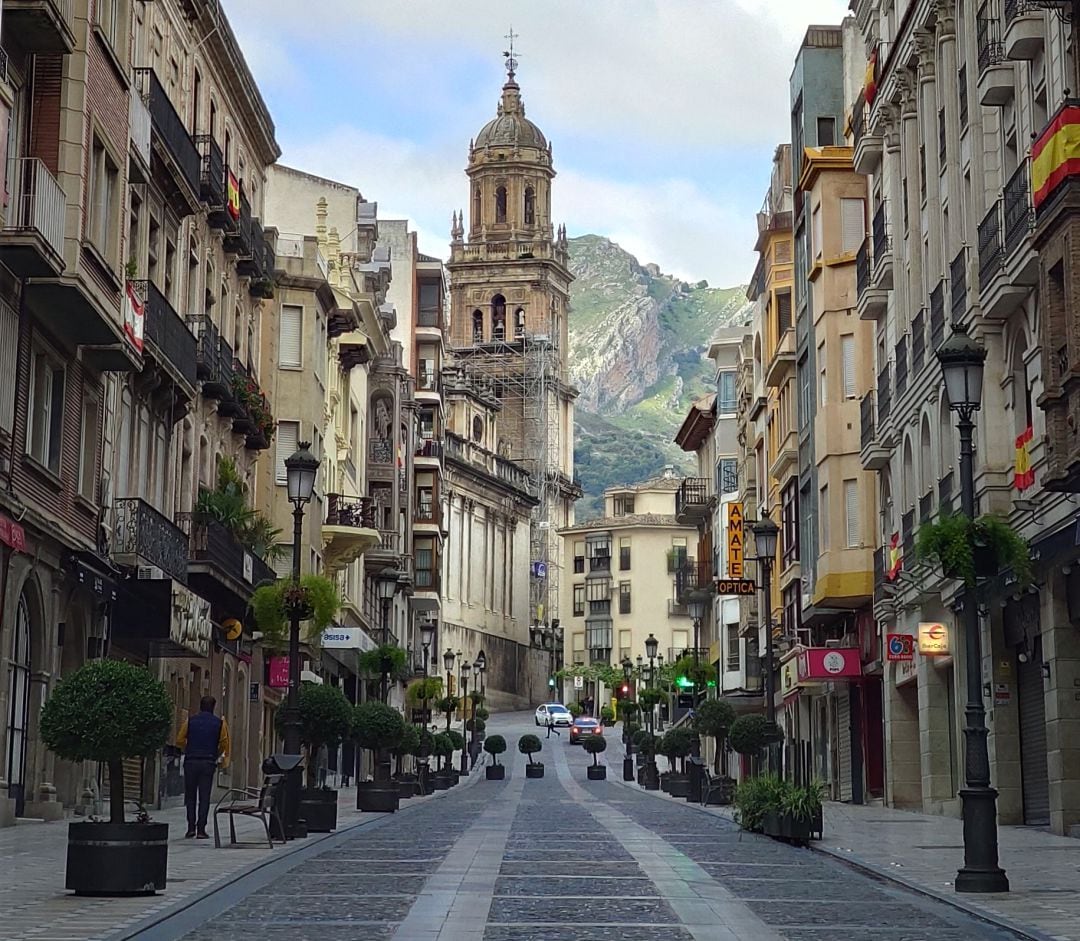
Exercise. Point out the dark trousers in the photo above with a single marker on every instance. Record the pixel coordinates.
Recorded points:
(198, 783)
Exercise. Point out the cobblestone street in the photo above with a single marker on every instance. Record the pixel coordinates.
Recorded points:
(565, 859)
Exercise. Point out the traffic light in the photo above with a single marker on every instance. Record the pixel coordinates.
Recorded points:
(625, 689)
(551, 682)
(684, 682)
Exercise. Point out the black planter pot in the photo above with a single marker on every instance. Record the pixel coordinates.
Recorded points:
(678, 785)
(406, 789)
(665, 779)
(495, 772)
(773, 824)
(381, 799)
(117, 858)
(628, 769)
(439, 781)
(534, 769)
(641, 775)
(652, 777)
(318, 808)
(597, 772)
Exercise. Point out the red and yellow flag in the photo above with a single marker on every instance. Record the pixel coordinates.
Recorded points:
(1055, 156)
(896, 557)
(1025, 473)
(234, 196)
(870, 83)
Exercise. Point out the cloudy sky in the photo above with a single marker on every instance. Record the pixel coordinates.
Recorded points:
(663, 114)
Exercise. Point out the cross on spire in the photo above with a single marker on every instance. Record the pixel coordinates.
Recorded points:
(509, 56)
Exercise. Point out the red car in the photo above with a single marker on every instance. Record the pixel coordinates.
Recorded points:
(583, 727)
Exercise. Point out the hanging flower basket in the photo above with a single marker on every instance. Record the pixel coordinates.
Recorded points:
(968, 550)
(315, 600)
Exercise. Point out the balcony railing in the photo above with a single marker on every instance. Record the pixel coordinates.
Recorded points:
(169, 129)
(862, 267)
(937, 316)
(1019, 216)
(958, 278)
(38, 204)
(239, 241)
(212, 172)
(426, 580)
(858, 120)
(213, 361)
(880, 232)
(253, 266)
(428, 447)
(694, 575)
(677, 609)
(357, 512)
(908, 527)
(991, 249)
(918, 342)
(926, 506)
(879, 573)
(429, 317)
(901, 366)
(168, 332)
(988, 39)
(692, 497)
(866, 420)
(211, 543)
(390, 540)
(428, 512)
(884, 393)
(141, 533)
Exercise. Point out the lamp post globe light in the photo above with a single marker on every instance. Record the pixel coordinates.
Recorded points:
(301, 469)
(448, 663)
(962, 360)
(465, 672)
(765, 536)
(480, 663)
(697, 604)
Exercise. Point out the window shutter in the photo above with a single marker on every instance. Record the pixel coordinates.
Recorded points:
(847, 344)
(851, 512)
(287, 437)
(853, 221)
(289, 351)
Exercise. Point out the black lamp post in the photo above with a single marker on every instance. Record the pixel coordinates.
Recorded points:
(301, 469)
(427, 635)
(480, 663)
(388, 586)
(448, 662)
(659, 724)
(765, 535)
(465, 670)
(697, 604)
(962, 361)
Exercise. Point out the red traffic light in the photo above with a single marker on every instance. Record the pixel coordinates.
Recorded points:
(625, 688)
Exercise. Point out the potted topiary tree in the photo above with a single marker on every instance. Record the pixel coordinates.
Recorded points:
(443, 748)
(714, 718)
(575, 709)
(750, 735)
(607, 716)
(677, 747)
(594, 745)
(378, 728)
(410, 742)
(458, 741)
(423, 752)
(447, 706)
(495, 745)
(106, 711)
(325, 719)
(529, 745)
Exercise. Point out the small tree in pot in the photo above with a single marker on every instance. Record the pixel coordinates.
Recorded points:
(410, 742)
(424, 750)
(594, 745)
(529, 745)
(378, 728)
(325, 719)
(714, 718)
(447, 706)
(750, 735)
(106, 711)
(495, 745)
(443, 748)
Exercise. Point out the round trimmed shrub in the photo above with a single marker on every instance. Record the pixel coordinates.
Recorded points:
(377, 726)
(594, 745)
(475, 725)
(482, 713)
(456, 738)
(529, 745)
(410, 741)
(750, 734)
(425, 745)
(495, 745)
(575, 709)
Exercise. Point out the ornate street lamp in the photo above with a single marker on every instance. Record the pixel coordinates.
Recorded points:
(448, 664)
(765, 536)
(962, 362)
(301, 469)
(651, 647)
(387, 584)
(465, 670)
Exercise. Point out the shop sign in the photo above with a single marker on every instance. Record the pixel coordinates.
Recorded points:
(342, 638)
(736, 586)
(254, 692)
(278, 673)
(1002, 694)
(735, 544)
(190, 625)
(12, 534)
(789, 677)
(821, 664)
(934, 640)
(899, 647)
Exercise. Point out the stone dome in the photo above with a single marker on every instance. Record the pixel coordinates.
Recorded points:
(511, 128)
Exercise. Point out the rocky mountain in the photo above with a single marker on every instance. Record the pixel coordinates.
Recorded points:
(638, 353)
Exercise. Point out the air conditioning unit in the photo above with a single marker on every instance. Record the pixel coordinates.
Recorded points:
(146, 573)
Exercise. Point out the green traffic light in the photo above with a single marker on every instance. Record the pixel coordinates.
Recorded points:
(684, 682)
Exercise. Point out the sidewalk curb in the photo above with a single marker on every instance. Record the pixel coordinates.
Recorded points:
(156, 927)
(992, 918)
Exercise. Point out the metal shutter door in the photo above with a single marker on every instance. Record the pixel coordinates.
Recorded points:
(1033, 773)
(843, 741)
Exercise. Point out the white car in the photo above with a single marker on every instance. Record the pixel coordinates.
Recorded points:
(554, 712)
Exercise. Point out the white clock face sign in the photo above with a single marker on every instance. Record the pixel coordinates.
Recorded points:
(833, 662)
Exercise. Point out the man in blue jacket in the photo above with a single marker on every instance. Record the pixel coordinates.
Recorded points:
(204, 739)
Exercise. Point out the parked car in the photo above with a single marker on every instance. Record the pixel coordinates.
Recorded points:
(583, 727)
(554, 711)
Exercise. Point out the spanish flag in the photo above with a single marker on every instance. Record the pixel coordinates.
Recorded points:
(1025, 473)
(896, 557)
(1056, 154)
(870, 84)
(234, 196)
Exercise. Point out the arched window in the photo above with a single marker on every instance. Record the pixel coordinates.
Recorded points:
(909, 478)
(1021, 389)
(477, 206)
(500, 204)
(530, 206)
(519, 323)
(477, 326)
(19, 710)
(477, 429)
(946, 447)
(926, 457)
(887, 527)
(498, 317)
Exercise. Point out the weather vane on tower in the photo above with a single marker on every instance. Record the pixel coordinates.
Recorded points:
(510, 57)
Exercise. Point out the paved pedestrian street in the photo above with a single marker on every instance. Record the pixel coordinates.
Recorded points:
(566, 859)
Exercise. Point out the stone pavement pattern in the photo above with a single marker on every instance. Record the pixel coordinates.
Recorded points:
(565, 859)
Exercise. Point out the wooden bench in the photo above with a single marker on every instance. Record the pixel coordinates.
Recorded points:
(251, 802)
(715, 784)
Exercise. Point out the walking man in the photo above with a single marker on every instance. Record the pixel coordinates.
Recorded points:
(204, 739)
(552, 728)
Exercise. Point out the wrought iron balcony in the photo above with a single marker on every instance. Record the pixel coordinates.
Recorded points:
(918, 343)
(908, 529)
(958, 279)
(866, 420)
(884, 393)
(694, 575)
(926, 506)
(945, 494)
(1019, 216)
(349, 531)
(172, 144)
(429, 447)
(937, 316)
(212, 175)
(1025, 29)
(32, 239)
(879, 574)
(862, 267)
(991, 248)
(693, 500)
(996, 79)
(144, 537)
(214, 552)
(901, 366)
(880, 232)
(214, 362)
(238, 242)
(254, 265)
(168, 333)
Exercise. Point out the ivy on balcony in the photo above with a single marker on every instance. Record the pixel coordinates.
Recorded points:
(257, 421)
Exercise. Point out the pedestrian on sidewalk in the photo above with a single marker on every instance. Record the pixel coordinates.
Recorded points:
(552, 728)
(204, 739)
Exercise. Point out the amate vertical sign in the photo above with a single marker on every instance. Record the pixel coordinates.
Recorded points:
(735, 540)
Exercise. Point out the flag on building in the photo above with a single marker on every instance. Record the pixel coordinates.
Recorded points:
(1055, 155)
(234, 196)
(870, 84)
(133, 317)
(896, 557)
(1024, 476)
